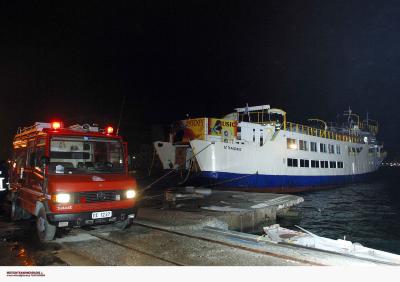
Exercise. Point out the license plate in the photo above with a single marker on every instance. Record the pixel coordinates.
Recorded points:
(103, 214)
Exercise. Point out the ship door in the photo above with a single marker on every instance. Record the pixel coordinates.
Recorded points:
(261, 137)
(180, 156)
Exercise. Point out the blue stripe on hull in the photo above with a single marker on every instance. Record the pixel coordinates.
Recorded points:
(276, 183)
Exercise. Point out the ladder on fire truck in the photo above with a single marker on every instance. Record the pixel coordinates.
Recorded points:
(28, 132)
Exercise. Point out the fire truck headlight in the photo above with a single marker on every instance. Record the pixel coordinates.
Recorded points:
(62, 198)
(130, 194)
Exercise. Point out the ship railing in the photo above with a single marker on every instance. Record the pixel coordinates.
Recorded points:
(304, 129)
(371, 126)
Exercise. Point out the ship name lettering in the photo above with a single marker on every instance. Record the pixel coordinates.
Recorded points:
(226, 147)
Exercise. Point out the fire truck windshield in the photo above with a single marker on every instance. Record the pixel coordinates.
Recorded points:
(85, 155)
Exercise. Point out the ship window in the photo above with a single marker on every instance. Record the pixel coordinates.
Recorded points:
(313, 146)
(324, 164)
(303, 145)
(331, 149)
(314, 163)
(304, 163)
(292, 162)
(332, 164)
(338, 149)
(340, 164)
(254, 135)
(322, 148)
(291, 144)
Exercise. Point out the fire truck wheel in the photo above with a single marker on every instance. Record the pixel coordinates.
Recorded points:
(45, 230)
(16, 211)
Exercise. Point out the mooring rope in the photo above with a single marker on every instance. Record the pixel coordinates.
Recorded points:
(175, 169)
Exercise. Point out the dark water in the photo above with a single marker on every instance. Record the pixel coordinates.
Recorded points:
(367, 213)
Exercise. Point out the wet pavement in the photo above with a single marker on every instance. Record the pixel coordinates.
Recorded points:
(20, 247)
(107, 245)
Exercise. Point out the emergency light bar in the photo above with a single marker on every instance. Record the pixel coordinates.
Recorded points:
(55, 125)
(109, 130)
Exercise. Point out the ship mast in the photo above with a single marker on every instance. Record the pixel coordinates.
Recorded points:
(349, 113)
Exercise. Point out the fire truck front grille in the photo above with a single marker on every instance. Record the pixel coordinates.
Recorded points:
(98, 196)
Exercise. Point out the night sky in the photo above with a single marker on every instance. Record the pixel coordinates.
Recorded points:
(76, 60)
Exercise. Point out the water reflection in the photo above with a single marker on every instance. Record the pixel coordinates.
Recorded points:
(367, 213)
(22, 255)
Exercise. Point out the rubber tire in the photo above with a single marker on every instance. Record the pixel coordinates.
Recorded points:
(45, 230)
(16, 210)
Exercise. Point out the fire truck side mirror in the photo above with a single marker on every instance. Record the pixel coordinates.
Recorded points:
(44, 160)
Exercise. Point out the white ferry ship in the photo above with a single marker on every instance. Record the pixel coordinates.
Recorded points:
(256, 148)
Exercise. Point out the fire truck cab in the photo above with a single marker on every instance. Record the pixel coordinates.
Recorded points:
(70, 177)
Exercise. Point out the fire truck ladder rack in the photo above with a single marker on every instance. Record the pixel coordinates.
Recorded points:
(25, 133)
(38, 126)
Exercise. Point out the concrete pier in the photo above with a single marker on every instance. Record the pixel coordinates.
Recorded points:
(158, 243)
(239, 211)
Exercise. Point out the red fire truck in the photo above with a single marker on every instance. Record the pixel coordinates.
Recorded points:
(70, 177)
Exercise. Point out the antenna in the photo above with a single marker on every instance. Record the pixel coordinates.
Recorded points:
(348, 114)
(120, 113)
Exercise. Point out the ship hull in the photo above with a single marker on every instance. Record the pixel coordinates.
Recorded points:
(275, 183)
(265, 168)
